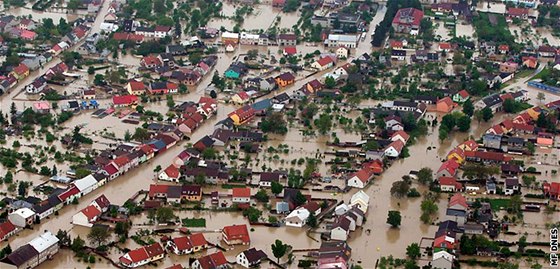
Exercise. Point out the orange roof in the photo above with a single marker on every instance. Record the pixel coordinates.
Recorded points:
(91, 212)
(198, 239)
(363, 174)
(402, 133)
(325, 61)
(458, 199)
(237, 232)
(470, 144)
(447, 101)
(463, 93)
(157, 188)
(241, 192)
(398, 145)
(172, 171)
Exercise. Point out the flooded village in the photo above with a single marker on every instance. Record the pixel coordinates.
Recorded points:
(279, 134)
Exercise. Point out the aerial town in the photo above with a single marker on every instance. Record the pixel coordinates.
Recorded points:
(328, 134)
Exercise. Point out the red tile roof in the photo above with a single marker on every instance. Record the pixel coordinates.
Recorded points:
(398, 145)
(157, 189)
(136, 85)
(154, 250)
(121, 161)
(363, 174)
(137, 255)
(172, 171)
(402, 133)
(458, 199)
(6, 227)
(182, 243)
(290, 50)
(325, 61)
(463, 93)
(404, 15)
(91, 212)
(236, 232)
(449, 181)
(445, 46)
(68, 193)
(110, 169)
(517, 12)
(449, 165)
(151, 60)
(124, 99)
(488, 156)
(241, 192)
(21, 69)
(198, 239)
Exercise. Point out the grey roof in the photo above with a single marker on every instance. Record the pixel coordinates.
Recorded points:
(455, 212)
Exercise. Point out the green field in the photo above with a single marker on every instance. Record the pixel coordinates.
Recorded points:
(188, 222)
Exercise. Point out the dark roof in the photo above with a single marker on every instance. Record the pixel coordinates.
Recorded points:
(21, 255)
(455, 212)
(253, 255)
(492, 100)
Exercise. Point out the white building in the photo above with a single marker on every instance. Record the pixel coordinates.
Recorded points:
(250, 258)
(22, 217)
(86, 184)
(361, 200)
(87, 216)
(249, 39)
(348, 41)
(298, 217)
(442, 260)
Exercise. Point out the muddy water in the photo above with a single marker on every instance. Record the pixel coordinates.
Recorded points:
(39, 15)
(366, 248)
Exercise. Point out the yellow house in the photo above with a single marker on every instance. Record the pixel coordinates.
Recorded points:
(458, 154)
(191, 193)
(20, 72)
(469, 145)
(534, 113)
(135, 87)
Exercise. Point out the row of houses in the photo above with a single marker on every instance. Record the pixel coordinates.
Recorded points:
(349, 217)
(42, 248)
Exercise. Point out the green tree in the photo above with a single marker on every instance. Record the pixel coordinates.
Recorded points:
(276, 187)
(8, 178)
(425, 176)
(487, 114)
(91, 70)
(399, 189)
(324, 123)
(300, 199)
(140, 134)
(164, 214)
(468, 107)
(443, 133)
(413, 251)
(78, 244)
(330, 82)
(464, 123)
(279, 249)
(73, 5)
(170, 101)
(98, 235)
(312, 220)
(262, 196)
(394, 218)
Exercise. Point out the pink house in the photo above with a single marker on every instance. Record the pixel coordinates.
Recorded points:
(42, 107)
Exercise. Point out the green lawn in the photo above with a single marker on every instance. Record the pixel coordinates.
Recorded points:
(188, 222)
(497, 204)
(231, 186)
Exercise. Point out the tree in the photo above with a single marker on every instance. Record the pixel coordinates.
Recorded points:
(394, 218)
(13, 109)
(127, 136)
(122, 228)
(541, 96)
(8, 178)
(324, 123)
(73, 5)
(78, 244)
(425, 176)
(91, 70)
(312, 220)
(170, 102)
(252, 214)
(164, 214)
(330, 82)
(487, 114)
(279, 249)
(443, 133)
(300, 199)
(464, 123)
(140, 134)
(276, 187)
(213, 94)
(274, 123)
(468, 108)
(413, 251)
(157, 169)
(262, 196)
(98, 235)
(399, 189)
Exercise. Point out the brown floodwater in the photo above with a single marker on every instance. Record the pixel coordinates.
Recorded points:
(382, 241)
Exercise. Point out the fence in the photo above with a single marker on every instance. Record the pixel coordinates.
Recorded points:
(545, 87)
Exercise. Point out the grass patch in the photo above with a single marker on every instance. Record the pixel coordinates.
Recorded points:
(524, 73)
(497, 204)
(231, 186)
(194, 222)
